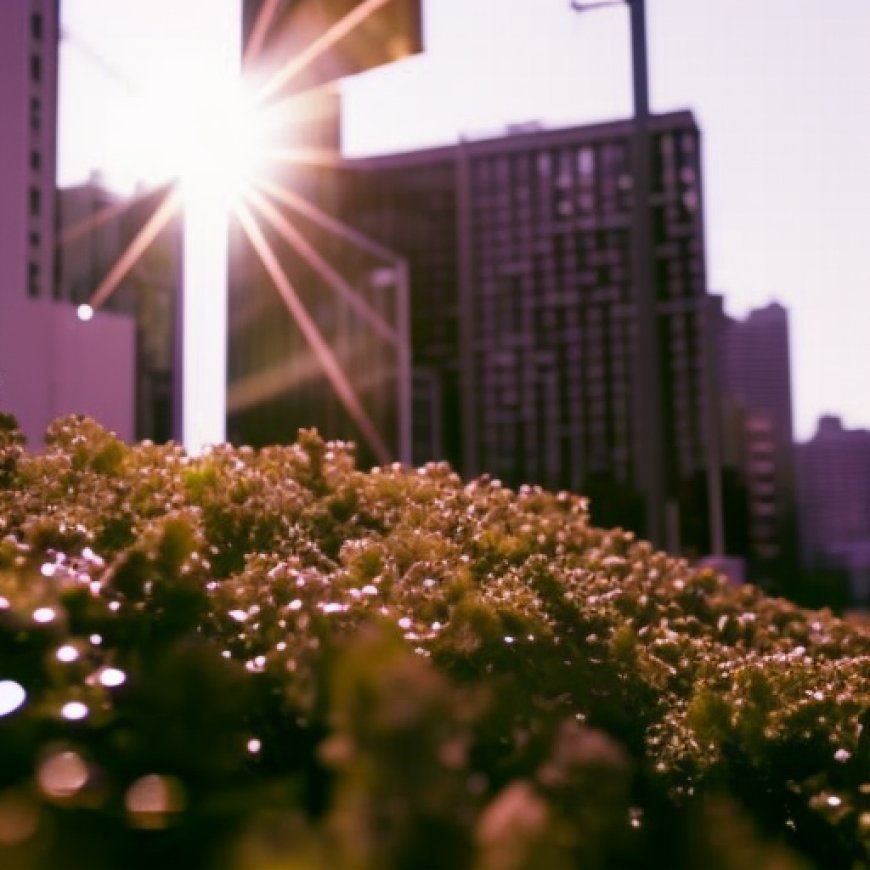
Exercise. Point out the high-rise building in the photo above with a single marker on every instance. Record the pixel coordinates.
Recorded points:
(834, 502)
(522, 315)
(520, 251)
(28, 96)
(756, 369)
(755, 389)
(50, 362)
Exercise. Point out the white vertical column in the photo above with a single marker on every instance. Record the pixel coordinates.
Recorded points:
(204, 319)
(207, 203)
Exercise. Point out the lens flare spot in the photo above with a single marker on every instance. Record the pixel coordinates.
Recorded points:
(62, 775)
(67, 654)
(74, 711)
(44, 615)
(111, 678)
(12, 696)
(152, 799)
(19, 818)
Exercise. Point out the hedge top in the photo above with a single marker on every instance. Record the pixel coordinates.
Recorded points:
(272, 659)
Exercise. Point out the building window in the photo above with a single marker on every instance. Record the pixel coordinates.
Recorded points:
(35, 201)
(35, 114)
(36, 26)
(56, 286)
(36, 68)
(35, 239)
(35, 161)
(33, 278)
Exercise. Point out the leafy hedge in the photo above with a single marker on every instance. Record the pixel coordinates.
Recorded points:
(271, 659)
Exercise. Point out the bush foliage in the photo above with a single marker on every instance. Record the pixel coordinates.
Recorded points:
(262, 660)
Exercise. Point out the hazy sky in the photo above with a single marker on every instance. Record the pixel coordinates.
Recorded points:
(781, 89)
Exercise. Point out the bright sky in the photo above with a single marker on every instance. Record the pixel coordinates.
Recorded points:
(781, 89)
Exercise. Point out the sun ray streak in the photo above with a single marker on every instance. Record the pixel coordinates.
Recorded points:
(265, 17)
(323, 43)
(331, 366)
(326, 157)
(325, 221)
(299, 108)
(97, 219)
(169, 205)
(306, 250)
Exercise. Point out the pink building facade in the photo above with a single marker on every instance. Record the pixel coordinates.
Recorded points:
(50, 362)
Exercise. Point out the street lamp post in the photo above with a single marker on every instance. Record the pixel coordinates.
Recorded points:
(651, 462)
(404, 363)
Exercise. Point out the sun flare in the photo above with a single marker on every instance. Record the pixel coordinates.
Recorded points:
(223, 148)
(208, 135)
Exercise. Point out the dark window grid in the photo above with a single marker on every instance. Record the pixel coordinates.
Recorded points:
(33, 278)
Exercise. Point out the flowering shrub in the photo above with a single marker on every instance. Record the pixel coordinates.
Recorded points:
(271, 659)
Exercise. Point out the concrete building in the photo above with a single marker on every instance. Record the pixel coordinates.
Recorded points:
(758, 452)
(521, 311)
(50, 362)
(28, 97)
(755, 358)
(520, 251)
(834, 500)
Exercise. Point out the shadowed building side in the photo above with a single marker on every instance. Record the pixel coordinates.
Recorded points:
(834, 497)
(520, 256)
(755, 373)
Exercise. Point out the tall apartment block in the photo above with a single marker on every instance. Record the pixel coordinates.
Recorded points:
(522, 316)
(28, 96)
(50, 363)
(755, 387)
(520, 251)
(834, 502)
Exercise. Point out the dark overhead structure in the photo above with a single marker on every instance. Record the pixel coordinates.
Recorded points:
(289, 35)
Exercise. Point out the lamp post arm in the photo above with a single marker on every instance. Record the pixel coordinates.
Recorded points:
(579, 6)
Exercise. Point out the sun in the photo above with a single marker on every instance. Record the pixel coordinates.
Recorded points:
(222, 147)
(205, 132)
(216, 145)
